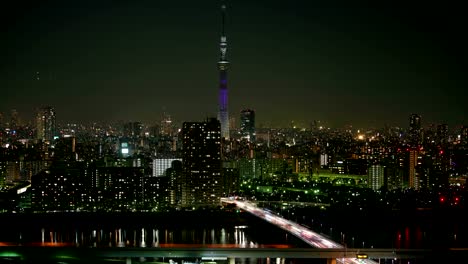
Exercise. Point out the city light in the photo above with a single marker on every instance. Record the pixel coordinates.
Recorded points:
(122, 114)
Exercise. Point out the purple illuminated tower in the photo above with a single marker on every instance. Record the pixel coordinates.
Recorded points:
(223, 114)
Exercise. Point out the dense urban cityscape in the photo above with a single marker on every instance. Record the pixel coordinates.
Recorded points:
(137, 167)
(230, 183)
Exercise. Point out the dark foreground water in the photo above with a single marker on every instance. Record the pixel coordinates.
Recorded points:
(144, 230)
(205, 229)
(436, 228)
(198, 229)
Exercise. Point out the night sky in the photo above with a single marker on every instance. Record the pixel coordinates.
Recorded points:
(362, 64)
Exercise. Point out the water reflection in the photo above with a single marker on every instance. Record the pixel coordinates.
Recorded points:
(418, 237)
(238, 236)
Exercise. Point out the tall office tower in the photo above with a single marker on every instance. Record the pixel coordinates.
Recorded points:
(45, 122)
(376, 177)
(223, 115)
(201, 159)
(247, 128)
(415, 132)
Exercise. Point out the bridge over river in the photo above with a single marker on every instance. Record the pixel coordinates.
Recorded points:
(222, 252)
(340, 253)
(312, 238)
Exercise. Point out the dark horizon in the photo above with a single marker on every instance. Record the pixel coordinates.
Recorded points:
(364, 65)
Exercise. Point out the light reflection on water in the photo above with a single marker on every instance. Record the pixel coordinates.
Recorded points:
(145, 237)
(239, 236)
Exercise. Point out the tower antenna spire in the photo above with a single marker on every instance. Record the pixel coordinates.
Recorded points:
(223, 63)
(223, 17)
(223, 42)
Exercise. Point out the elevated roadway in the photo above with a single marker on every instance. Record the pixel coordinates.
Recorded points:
(312, 238)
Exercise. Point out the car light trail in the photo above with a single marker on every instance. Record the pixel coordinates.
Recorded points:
(310, 237)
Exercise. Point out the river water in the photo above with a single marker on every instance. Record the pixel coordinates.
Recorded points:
(416, 229)
(231, 230)
(184, 230)
(139, 230)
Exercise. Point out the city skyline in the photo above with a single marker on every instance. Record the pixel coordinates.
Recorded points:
(364, 65)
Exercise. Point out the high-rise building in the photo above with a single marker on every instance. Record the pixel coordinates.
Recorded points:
(62, 187)
(415, 131)
(376, 177)
(156, 192)
(323, 160)
(45, 123)
(413, 176)
(118, 188)
(201, 159)
(223, 114)
(230, 179)
(175, 174)
(247, 127)
(394, 176)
